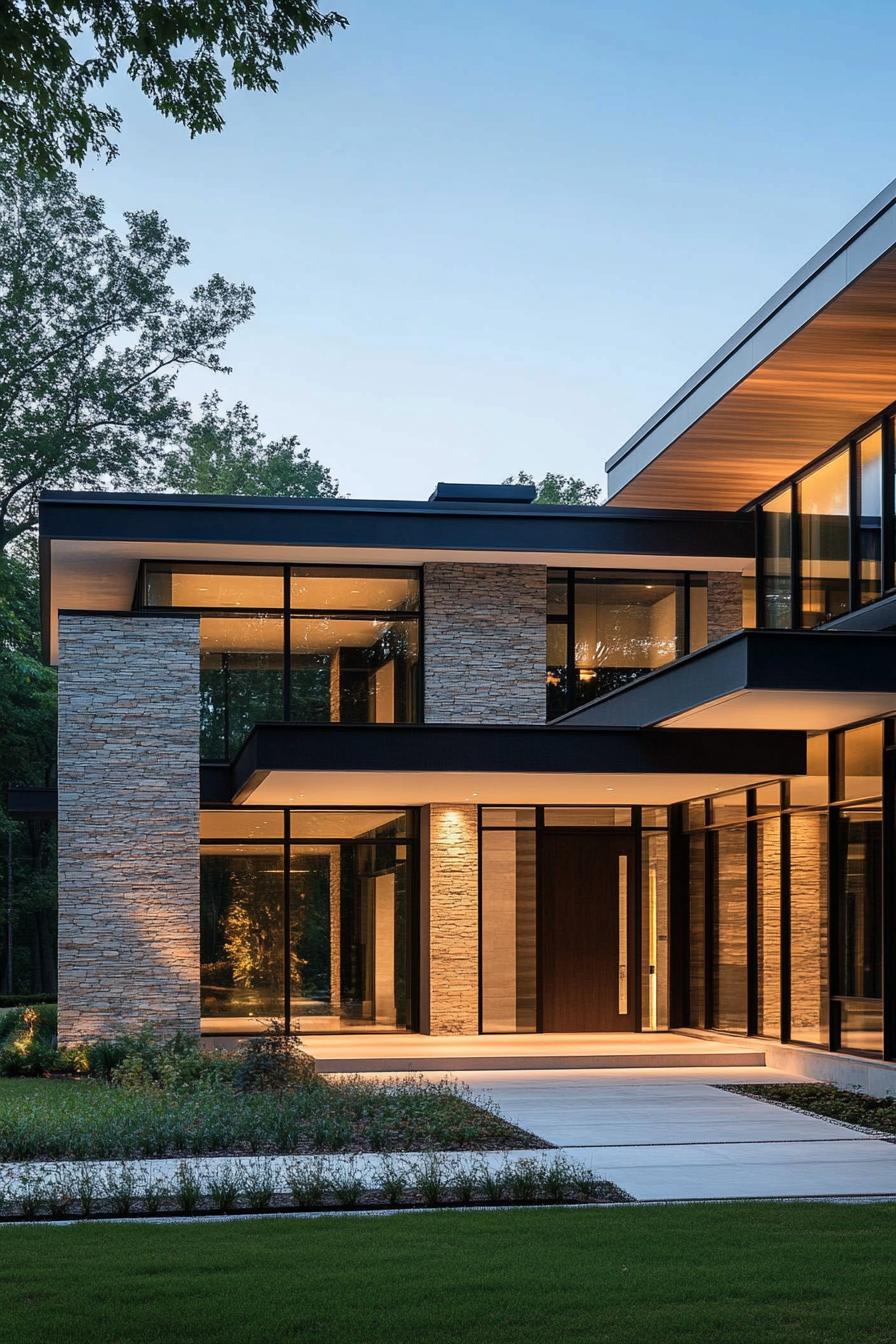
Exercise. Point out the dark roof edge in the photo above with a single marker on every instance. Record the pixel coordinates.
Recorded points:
(124, 499)
(850, 232)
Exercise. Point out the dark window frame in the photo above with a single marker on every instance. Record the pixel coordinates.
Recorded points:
(288, 612)
(287, 843)
(684, 582)
(831, 811)
(885, 421)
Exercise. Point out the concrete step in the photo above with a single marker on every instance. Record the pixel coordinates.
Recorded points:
(437, 1061)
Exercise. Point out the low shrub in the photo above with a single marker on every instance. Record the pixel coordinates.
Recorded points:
(273, 1062)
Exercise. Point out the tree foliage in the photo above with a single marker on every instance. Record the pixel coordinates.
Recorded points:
(224, 452)
(92, 338)
(54, 57)
(556, 489)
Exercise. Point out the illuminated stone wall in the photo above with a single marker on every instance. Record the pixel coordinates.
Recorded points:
(449, 920)
(128, 824)
(484, 645)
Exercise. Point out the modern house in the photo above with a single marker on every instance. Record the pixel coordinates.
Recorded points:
(478, 765)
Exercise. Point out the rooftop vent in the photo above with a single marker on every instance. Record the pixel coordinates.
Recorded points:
(451, 492)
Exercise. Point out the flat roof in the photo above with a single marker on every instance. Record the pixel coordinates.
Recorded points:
(810, 366)
(92, 542)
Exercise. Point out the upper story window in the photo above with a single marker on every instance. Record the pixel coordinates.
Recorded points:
(605, 629)
(308, 644)
(823, 536)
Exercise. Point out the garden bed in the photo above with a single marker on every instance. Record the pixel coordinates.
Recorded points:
(51, 1119)
(834, 1103)
(264, 1185)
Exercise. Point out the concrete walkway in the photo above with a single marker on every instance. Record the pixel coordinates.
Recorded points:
(672, 1134)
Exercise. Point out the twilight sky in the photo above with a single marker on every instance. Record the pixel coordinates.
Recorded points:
(497, 235)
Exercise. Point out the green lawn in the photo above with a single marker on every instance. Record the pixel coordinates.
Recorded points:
(757, 1273)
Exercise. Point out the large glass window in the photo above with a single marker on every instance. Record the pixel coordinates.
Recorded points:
(351, 659)
(199, 586)
(351, 670)
(241, 936)
(823, 503)
(352, 633)
(606, 629)
(859, 928)
(240, 679)
(777, 543)
(831, 519)
(334, 948)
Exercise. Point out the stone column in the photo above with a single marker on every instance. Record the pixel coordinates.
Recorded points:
(484, 643)
(724, 605)
(128, 824)
(449, 920)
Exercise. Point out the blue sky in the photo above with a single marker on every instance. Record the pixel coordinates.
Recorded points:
(497, 235)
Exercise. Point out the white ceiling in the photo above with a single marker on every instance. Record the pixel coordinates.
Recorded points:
(413, 788)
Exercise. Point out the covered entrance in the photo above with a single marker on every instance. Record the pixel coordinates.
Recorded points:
(587, 932)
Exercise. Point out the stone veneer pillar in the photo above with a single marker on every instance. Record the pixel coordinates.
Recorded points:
(724, 604)
(449, 920)
(128, 824)
(484, 643)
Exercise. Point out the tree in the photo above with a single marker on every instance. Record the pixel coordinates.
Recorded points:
(555, 489)
(92, 337)
(54, 56)
(27, 756)
(225, 453)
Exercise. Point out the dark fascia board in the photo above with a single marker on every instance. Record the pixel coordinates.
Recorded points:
(768, 660)
(874, 616)
(861, 242)
(467, 525)
(23, 801)
(495, 749)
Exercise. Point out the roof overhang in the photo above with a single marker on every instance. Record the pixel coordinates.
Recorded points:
(343, 766)
(813, 364)
(92, 543)
(811, 681)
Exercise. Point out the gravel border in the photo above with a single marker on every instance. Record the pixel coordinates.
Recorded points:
(748, 1090)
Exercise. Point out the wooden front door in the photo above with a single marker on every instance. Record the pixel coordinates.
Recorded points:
(588, 974)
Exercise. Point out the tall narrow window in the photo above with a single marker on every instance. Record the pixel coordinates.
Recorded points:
(508, 919)
(823, 501)
(777, 541)
(870, 452)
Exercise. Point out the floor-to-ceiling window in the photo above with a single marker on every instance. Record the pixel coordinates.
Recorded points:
(308, 916)
(306, 644)
(604, 629)
(823, 504)
(824, 535)
(786, 896)
(858, 909)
